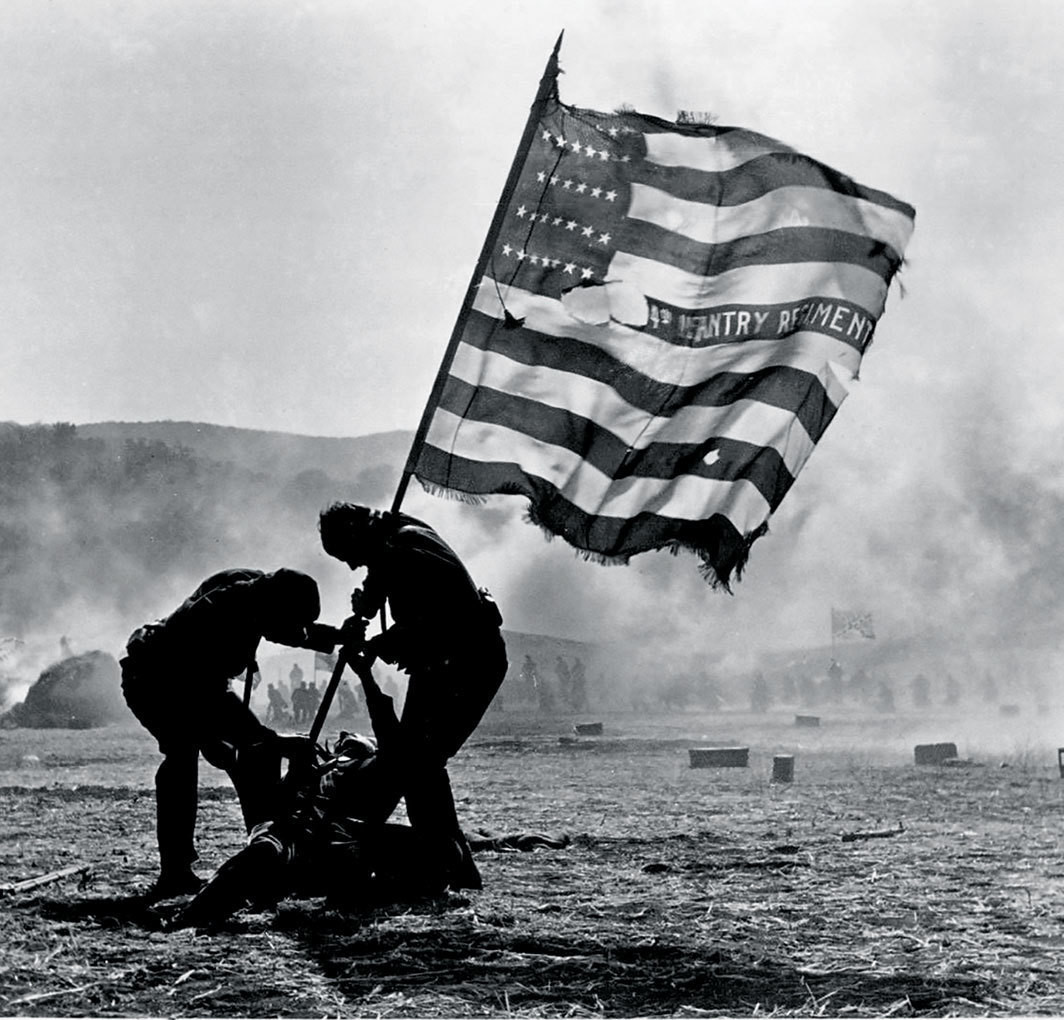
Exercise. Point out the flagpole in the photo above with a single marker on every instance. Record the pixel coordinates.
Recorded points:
(547, 89)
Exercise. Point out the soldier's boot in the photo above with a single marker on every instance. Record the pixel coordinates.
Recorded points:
(175, 819)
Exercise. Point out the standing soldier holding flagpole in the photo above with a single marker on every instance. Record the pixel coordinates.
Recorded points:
(446, 636)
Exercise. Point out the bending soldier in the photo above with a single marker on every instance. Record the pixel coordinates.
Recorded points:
(209, 639)
(446, 636)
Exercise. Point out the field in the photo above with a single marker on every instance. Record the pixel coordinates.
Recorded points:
(867, 887)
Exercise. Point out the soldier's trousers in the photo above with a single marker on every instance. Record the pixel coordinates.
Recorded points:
(218, 726)
(444, 704)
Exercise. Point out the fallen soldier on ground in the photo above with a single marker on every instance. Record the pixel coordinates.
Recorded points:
(333, 835)
(324, 846)
(333, 838)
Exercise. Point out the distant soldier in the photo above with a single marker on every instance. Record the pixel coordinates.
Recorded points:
(921, 691)
(545, 700)
(861, 686)
(834, 687)
(277, 707)
(175, 678)
(313, 701)
(528, 679)
(445, 634)
(565, 681)
(300, 699)
(760, 698)
(578, 686)
(884, 698)
(346, 700)
(953, 690)
(789, 688)
(295, 675)
(808, 691)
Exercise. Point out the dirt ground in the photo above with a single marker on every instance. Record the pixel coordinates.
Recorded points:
(683, 892)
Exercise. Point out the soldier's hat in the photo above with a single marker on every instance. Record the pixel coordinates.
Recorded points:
(295, 591)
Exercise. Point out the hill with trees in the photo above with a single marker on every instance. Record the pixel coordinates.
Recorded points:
(119, 517)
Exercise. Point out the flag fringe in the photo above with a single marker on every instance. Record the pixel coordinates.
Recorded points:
(587, 555)
(456, 495)
(716, 542)
(727, 559)
(722, 550)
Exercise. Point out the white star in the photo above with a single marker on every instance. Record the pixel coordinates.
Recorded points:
(521, 211)
(604, 156)
(571, 225)
(521, 255)
(534, 259)
(611, 195)
(570, 267)
(587, 231)
(556, 222)
(507, 250)
(613, 132)
(541, 177)
(604, 238)
(554, 179)
(546, 136)
(559, 141)
(581, 188)
(595, 192)
(586, 274)
(543, 217)
(588, 151)
(575, 146)
(626, 159)
(567, 184)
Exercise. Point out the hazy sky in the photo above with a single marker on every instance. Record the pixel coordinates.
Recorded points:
(264, 214)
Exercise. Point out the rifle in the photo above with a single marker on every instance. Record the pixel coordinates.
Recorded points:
(248, 678)
(27, 884)
(328, 694)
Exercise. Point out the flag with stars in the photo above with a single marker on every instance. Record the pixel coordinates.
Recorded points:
(848, 623)
(669, 317)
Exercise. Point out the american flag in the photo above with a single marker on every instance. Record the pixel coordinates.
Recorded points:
(668, 320)
(848, 623)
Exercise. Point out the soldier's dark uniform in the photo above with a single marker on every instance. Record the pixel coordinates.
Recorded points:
(175, 678)
(445, 633)
(323, 845)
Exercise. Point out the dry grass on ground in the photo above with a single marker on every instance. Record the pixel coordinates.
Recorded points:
(684, 892)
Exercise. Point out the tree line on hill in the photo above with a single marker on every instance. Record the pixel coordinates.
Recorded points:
(90, 524)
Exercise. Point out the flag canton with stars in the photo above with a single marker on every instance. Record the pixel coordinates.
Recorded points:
(851, 623)
(567, 215)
